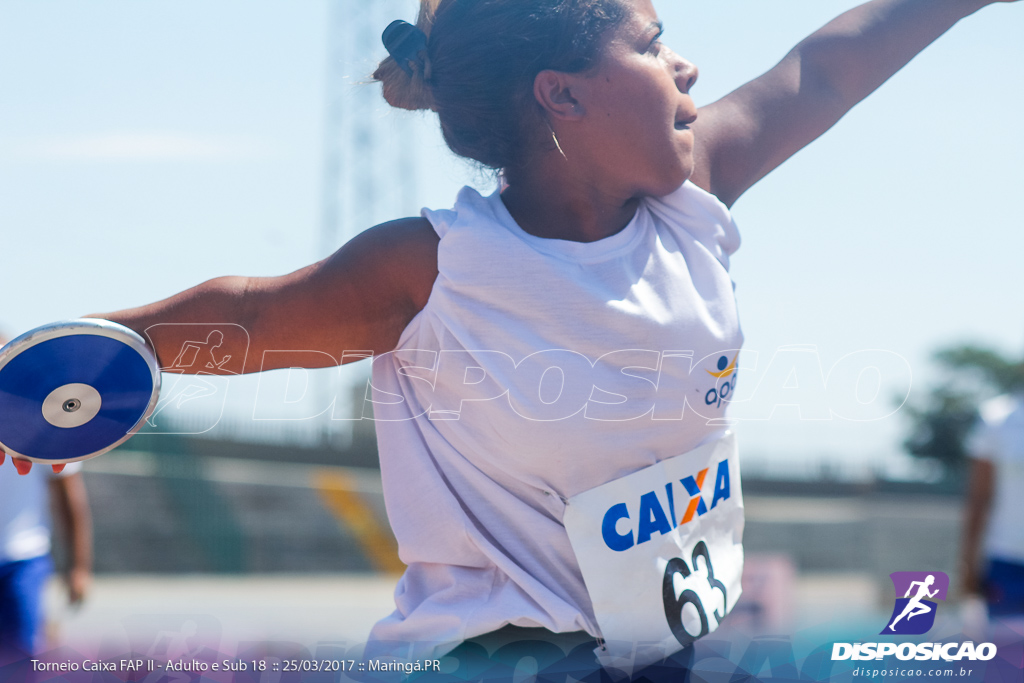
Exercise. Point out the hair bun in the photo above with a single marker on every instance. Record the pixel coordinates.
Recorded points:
(407, 45)
(405, 74)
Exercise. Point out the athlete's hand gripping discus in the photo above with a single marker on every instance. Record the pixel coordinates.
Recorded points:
(73, 390)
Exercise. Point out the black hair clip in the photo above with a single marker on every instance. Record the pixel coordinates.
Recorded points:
(405, 42)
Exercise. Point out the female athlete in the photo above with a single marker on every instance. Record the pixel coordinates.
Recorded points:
(543, 356)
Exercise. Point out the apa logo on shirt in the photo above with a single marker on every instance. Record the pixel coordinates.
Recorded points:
(654, 517)
(722, 390)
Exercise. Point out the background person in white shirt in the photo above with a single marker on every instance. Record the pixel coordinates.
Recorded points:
(993, 548)
(25, 544)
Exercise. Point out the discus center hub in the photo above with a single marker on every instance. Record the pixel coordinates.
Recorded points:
(71, 405)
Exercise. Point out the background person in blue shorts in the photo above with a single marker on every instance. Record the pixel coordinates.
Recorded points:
(994, 526)
(25, 542)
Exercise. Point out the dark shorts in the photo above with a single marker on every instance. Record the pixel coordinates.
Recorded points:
(1004, 589)
(21, 603)
(518, 653)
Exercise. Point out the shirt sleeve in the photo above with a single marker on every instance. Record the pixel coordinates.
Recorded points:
(703, 216)
(986, 439)
(981, 442)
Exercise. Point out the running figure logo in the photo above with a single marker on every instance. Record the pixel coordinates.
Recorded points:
(202, 353)
(193, 352)
(914, 613)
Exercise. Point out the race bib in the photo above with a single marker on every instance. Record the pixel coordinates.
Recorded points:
(661, 553)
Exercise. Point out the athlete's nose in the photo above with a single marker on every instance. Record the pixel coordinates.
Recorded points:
(685, 73)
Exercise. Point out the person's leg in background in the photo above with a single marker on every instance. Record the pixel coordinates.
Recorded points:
(21, 604)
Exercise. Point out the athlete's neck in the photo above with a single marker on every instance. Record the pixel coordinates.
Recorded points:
(555, 208)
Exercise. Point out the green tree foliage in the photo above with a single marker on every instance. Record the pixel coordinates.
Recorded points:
(940, 424)
(991, 368)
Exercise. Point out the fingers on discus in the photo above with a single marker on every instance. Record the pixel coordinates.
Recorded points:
(57, 469)
(23, 466)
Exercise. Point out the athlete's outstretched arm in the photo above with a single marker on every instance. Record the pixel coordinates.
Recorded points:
(358, 299)
(743, 136)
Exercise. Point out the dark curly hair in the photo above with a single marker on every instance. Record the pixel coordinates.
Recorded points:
(482, 59)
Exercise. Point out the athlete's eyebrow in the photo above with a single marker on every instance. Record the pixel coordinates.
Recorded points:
(655, 26)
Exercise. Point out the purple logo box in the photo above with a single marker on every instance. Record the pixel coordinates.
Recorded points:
(915, 609)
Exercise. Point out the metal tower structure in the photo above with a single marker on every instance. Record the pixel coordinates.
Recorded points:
(369, 156)
(370, 164)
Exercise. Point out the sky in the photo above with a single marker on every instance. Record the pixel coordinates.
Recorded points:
(148, 146)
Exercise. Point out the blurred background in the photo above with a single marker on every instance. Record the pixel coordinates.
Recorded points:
(146, 147)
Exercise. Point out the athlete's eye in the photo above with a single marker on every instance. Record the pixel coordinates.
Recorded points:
(655, 47)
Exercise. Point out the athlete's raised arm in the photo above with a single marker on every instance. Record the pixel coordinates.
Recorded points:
(743, 136)
(358, 299)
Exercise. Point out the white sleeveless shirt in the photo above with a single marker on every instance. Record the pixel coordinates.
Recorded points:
(537, 370)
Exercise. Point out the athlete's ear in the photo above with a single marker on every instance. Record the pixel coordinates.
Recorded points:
(553, 90)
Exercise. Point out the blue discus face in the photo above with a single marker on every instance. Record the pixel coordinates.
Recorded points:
(117, 373)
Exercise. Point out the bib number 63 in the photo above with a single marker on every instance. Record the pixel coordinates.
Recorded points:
(674, 605)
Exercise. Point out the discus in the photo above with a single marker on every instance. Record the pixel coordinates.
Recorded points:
(70, 391)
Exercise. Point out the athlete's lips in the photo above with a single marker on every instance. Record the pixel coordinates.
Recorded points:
(683, 122)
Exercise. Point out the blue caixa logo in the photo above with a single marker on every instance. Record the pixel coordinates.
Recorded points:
(914, 613)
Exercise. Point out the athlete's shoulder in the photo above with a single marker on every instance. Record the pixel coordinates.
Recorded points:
(411, 236)
(401, 252)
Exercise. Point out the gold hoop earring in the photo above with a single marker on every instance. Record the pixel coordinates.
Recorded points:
(555, 138)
